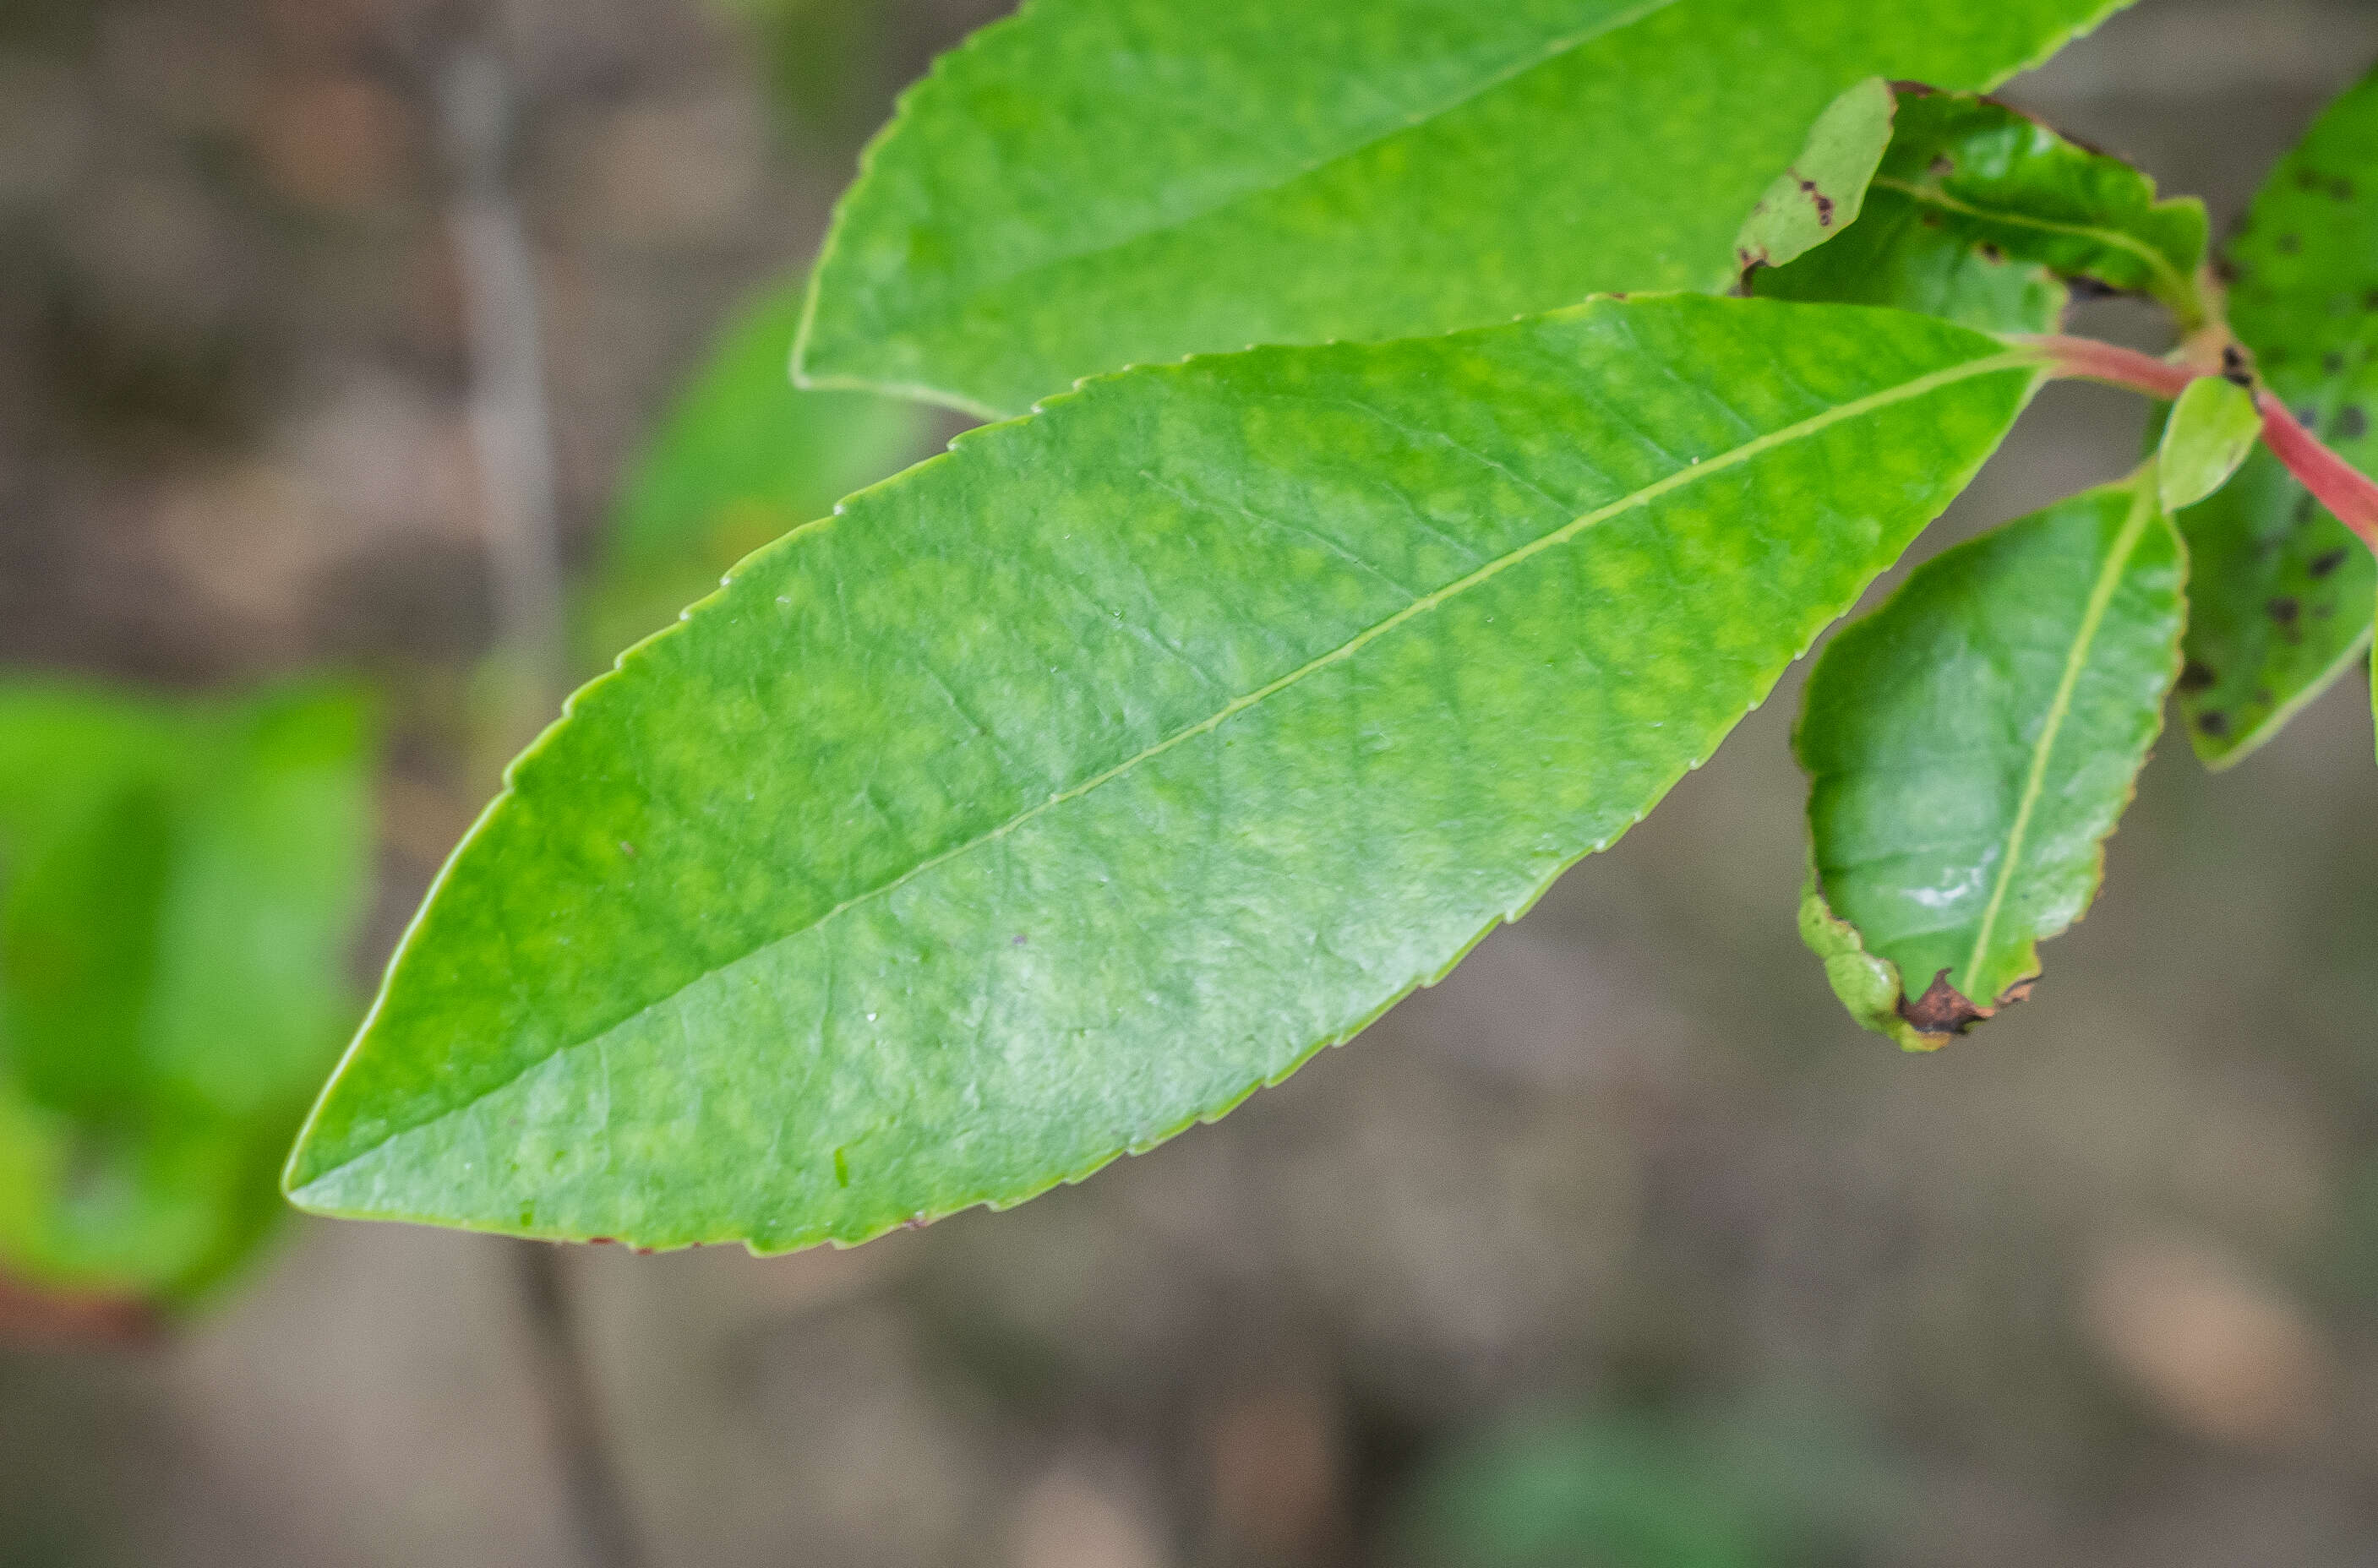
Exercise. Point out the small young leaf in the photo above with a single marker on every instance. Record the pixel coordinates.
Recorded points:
(2280, 602)
(1971, 744)
(1091, 183)
(1825, 188)
(743, 457)
(2212, 430)
(177, 888)
(1973, 198)
(1061, 792)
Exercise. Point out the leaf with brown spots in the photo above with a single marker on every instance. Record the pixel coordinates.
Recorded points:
(2281, 601)
(1825, 188)
(1976, 210)
(1969, 747)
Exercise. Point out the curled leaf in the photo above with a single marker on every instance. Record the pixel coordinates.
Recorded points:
(1971, 743)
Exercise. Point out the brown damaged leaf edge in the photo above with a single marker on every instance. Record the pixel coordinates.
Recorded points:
(1943, 1012)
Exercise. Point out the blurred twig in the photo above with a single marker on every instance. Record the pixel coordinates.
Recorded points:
(512, 433)
(511, 429)
(606, 1535)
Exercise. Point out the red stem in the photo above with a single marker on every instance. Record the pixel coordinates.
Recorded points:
(2088, 360)
(2342, 489)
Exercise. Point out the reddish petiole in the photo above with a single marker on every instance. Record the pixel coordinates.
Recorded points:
(2342, 489)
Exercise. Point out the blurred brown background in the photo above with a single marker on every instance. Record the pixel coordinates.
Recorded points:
(2099, 1287)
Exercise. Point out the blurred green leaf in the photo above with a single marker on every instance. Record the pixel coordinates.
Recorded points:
(1091, 183)
(2280, 602)
(1752, 1489)
(1976, 210)
(178, 885)
(1971, 744)
(743, 457)
(822, 59)
(1070, 787)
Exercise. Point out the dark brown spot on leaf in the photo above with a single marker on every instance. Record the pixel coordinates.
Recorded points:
(2284, 610)
(2214, 724)
(2194, 676)
(2325, 562)
(1824, 203)
(1943, 165)
(2352, 422)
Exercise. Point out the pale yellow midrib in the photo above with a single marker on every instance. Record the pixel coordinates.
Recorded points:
(1921, 385)
(2059, 708)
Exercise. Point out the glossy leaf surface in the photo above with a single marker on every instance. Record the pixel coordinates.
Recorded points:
(742, 456)
(2281, 601)
(1971, 745)
(1061, 791)
(1095, 183)
(1974, 209)
(177, 889)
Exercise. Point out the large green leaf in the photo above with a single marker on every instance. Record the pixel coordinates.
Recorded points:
(2281, 601)
(742, 456)
(177, 888)
(1094, 183)
(1970, 745)
(1976, 210)
(1061, 792)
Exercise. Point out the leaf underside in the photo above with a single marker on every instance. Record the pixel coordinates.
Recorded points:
(2283, 593)
(177, 887)
(1096, 183)
(1058, 794)
(1977, 210)
(1971, 745)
